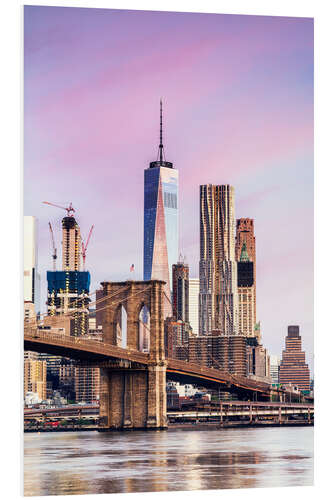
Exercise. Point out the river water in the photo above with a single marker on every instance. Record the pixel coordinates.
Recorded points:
(92, 462)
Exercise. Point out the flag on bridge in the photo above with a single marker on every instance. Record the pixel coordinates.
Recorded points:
(132, 268)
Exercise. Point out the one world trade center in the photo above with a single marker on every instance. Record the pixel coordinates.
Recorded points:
(160, 218)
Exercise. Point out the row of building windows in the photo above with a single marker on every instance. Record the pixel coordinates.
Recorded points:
(170, 200)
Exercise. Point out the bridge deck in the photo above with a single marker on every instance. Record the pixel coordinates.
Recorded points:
(78, 348)
(93, 350)
(212, 375)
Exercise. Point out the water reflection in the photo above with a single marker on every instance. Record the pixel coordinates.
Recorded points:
(92, 462)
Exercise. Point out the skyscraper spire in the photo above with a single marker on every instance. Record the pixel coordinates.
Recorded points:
(160, 161)
(161, 151)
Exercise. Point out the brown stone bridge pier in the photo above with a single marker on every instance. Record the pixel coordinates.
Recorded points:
(133, 395)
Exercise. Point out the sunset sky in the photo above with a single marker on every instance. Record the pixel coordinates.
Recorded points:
(238, 106)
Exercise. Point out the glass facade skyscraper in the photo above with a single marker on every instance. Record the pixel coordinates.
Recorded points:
(160, 218)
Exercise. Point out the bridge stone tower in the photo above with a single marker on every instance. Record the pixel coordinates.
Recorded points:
(133, 395)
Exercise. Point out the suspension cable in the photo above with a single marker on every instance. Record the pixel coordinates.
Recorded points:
(70, 313)
(59, 317)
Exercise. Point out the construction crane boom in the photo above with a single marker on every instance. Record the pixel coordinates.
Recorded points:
(84, 248)
(54, 255)
(70, 209)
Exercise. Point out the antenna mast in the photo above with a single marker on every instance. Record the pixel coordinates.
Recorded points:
(161, 150)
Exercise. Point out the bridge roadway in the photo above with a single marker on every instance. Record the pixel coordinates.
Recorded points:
(222, 411)
(100, 352)
(233, 409)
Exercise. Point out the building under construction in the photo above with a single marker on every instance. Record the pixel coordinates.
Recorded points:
(68, 289)
(68, 293)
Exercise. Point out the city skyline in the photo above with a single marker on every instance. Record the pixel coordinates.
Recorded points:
(281, 173)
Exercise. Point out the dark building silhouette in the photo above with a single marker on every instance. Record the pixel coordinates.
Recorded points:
(293, 369)
(180, 291)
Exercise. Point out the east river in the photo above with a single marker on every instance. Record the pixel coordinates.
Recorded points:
(63, 463)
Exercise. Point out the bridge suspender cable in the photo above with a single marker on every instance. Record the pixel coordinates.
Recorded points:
(60, 316)
(123, 300)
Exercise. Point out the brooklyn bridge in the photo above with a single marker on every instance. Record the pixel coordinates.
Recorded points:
(133, 383)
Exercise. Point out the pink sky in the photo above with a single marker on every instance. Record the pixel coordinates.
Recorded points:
(238, 100)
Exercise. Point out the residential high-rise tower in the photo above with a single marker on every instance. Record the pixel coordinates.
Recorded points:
(246, 293)
(160, 250)
(218, 298)
(71, 244)
(245, 235)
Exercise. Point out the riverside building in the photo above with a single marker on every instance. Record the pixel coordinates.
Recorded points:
(34, 375)
(293, 369)
(274, 368)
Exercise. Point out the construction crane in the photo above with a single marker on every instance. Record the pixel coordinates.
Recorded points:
(84, 248)
(54, 255)
(70, 209)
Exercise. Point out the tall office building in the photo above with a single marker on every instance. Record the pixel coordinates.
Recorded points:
(68, 289)
(246, 293)
(274, 368)
(31, 280)
(258, 361)
(293, 369)
(245, 235)
(218, 298)
(180, 291)
(160, 219)
(193, 304)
